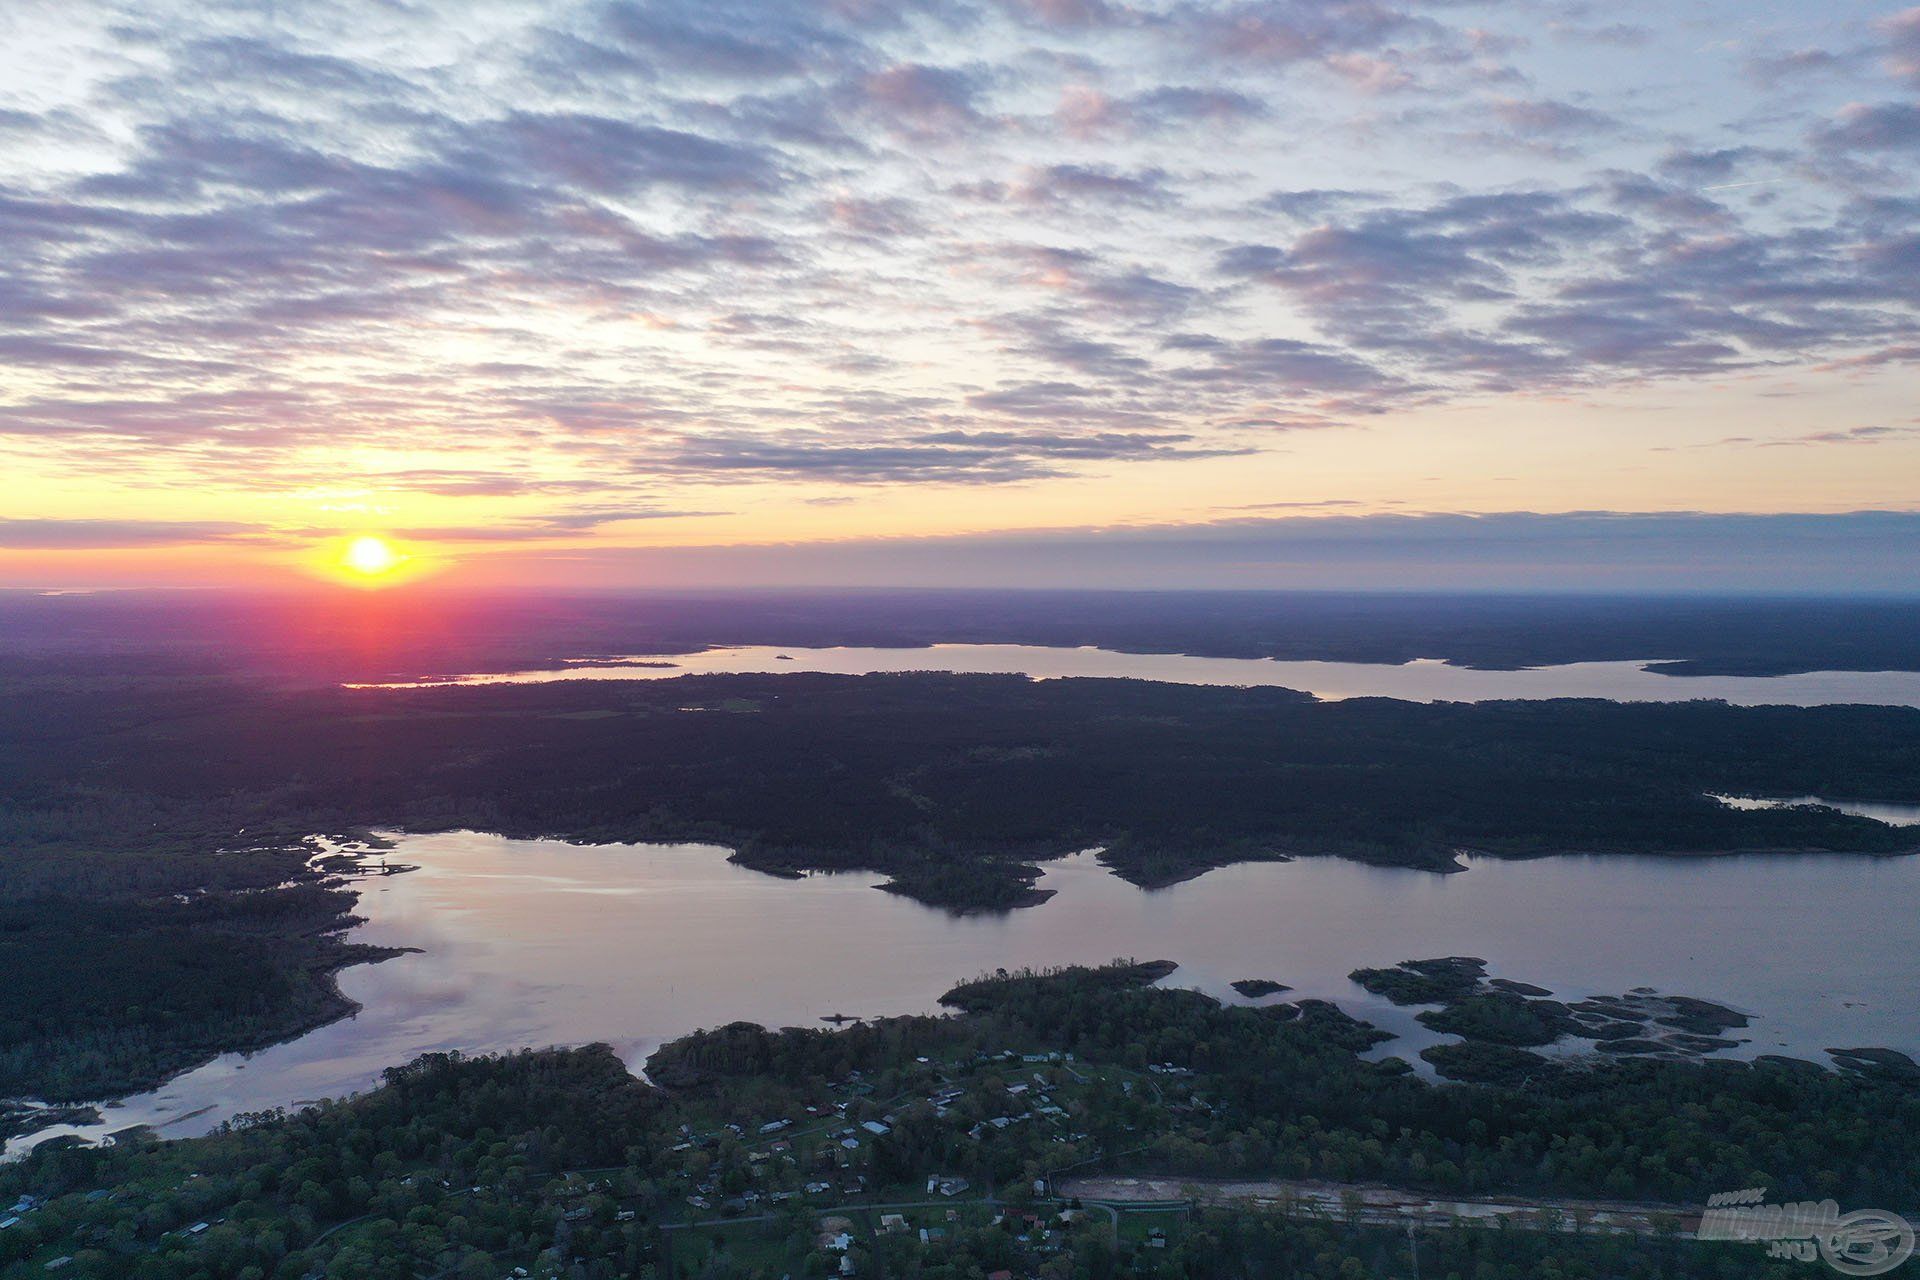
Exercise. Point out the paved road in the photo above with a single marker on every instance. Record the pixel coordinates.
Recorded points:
(1385, 1206)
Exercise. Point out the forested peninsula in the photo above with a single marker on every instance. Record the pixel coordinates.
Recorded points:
(151, 824)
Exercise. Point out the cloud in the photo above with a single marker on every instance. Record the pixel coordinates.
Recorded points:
(1379, 274)
(1900, 33)
(1087, 112)
(884, 218)
(1847, 435)
(1067, 14)
(560, 524)
(1808, 63)
(1290, 31)
(1547, 116)
(95, 535)
(1903, 353)
(1074, 183)
(1623, 35)
(1669, 204)
(720, 40)
(1286, 366)
(1623, 278)
(613, 157)
(1097, 281)
(1581, 551)
(1716, 165)
(923, 101)
(947, 457)
(1883, 126)
(933, 241)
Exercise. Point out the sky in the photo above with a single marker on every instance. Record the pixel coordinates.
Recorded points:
(1384, 293)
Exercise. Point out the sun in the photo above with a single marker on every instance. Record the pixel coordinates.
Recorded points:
(371, 556)
(371, 561)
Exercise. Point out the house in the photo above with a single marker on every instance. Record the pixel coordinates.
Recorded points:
(932, 1235)
(875, 1128)
(837, 1241)
(775, 1126)
(846, 1264)
(1156, 1239)
(624, 1215)
(892, 1223)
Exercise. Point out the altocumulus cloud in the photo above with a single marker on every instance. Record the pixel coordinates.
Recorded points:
(949, 241)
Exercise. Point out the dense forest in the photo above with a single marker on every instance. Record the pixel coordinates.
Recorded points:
(730, 1164)
(888, 772)
(347, 636)
(106, 996)
(156, 890)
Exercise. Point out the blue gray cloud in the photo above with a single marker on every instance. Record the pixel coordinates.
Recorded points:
(1862, 552)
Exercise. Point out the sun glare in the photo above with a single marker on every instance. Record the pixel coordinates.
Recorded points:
(371, 556)
(371, 561)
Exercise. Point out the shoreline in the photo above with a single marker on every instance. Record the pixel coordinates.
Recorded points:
(334, 1005)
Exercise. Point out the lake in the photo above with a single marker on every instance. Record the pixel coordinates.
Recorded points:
(1425, 680)
(1894, 815)
(536, 942)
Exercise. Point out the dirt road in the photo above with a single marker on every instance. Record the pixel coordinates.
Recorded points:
(1377, 1205)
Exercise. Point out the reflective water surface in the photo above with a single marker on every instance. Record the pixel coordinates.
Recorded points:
(1425, 680)
(531, 942)
(1894, 815)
